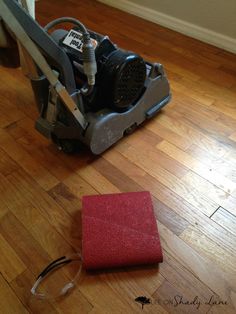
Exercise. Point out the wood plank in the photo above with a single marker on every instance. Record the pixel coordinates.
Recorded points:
(74, 162)
(36, 261)
(204, 118)
(4, 119)
(3, 209)
(10, 263)
(7, 165)
(97, 181)
(145, 135)
(116, 176)
(193, 164)
(225, 165)
(168, 218)
(205, 187)
(125, 184)
(225, 219)
(130, 286)
(19, 94)
(39, 150)
(174, 202)
(21, 287)
(38, 258)
(171, 299)
(19, 155)
(181, 277)
(219, 137)
(203, 223)
(220, 282)
(181, 281)
(55, 246)
(233, 136)
(98, 291)
(204, 99)
(9, 303)
(204, 86)
(170, 181)
(65, 198)
(155, 156)
(213, 192)
(119, 288)
(207, 247)
(3, 205)
(11, 111)
(184, 103)
(224, 108)
(78, 186)
(176, 301)
(15, 131)
(74, 302)
(219, 308)
(21, 191)
(197, 137)
(167, 134)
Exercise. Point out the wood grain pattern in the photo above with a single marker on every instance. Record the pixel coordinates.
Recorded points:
(225, 219)
(200, 266)
(168, 179)
(147, 145)
(197, 136)
(10, 263)
(9, 302)
(207, 247)
(167, 134)
(21, 286)
(174, 201)
(205, 172)
(225, 166)
(213, 192)
(185, 156)
(14, 150)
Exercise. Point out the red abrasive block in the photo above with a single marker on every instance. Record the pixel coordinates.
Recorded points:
(119, 230)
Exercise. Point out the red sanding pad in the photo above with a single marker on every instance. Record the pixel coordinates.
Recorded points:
(119, 230)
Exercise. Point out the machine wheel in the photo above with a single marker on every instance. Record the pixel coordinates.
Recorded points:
(131, 129)
(68, 146)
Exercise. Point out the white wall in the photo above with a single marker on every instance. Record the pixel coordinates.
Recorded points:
(212, 21)
(216, 15)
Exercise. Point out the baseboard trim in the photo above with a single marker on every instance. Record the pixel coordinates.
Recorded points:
(186, 28)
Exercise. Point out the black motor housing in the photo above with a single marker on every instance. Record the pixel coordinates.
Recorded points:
(120, 77)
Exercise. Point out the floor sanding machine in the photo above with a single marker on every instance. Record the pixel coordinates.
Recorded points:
(87, 89)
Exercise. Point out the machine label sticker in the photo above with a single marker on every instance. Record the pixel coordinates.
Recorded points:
(74, 40)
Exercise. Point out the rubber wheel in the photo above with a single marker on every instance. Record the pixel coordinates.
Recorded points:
(68, 146)
(131, 129)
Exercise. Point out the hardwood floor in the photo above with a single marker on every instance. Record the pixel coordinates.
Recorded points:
(186, 158)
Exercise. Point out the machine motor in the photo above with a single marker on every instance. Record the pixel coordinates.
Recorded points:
(120, 74)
